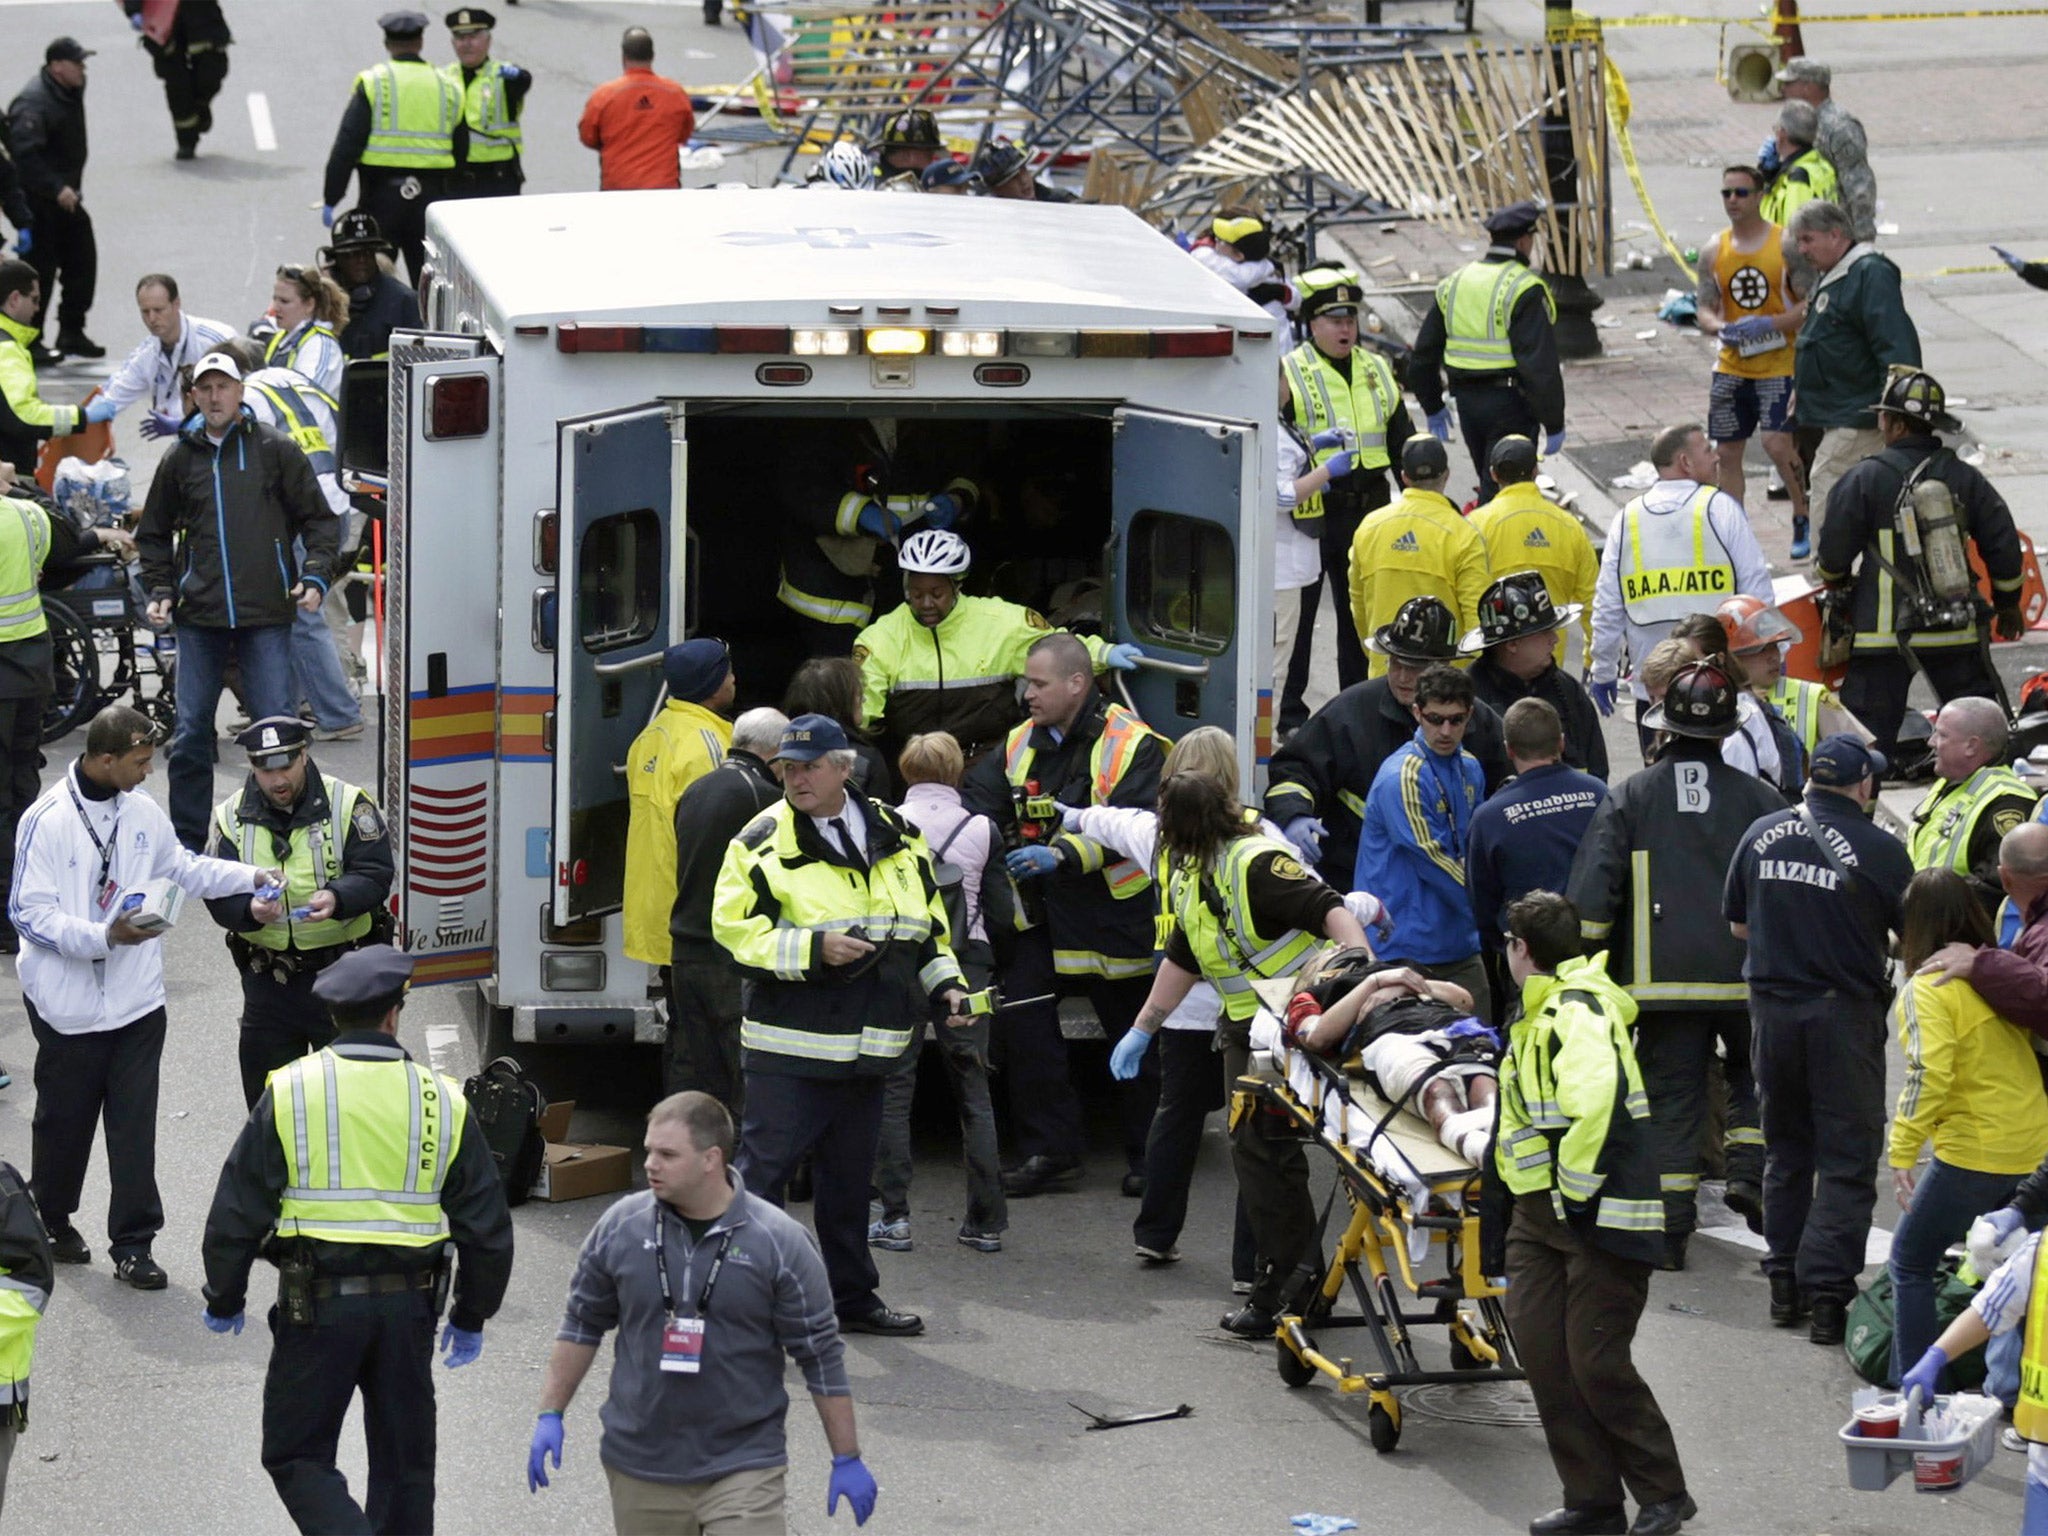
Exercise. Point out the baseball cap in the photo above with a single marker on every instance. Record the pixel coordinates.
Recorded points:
(69, 49)
(1842, 761)
(1810, 71)
(809, 737)
(1424, 458)
(217, 362)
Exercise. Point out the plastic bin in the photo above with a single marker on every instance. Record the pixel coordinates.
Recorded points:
(1874, 1461)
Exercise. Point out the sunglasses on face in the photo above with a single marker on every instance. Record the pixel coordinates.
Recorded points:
(1727, 192)
(1445, 722)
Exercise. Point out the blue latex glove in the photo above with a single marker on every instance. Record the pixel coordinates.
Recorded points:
(1334, 438)
(547, 1441)
(1767, 159)
(327, 216)
(942, 510)
(1021, 862)
(1307, 834)
(461, 1346)
(851, 1481)
(2015, 262)
(1129, 1054)
(1440, 425)
(1123, 656)
(220, 1324)
(135, 21)
(101, 409)
(877, 521)
(161, 424)
(24, 241)
(1922, 1377)
(2004, 1222)
(1604, 696)
(1471, 1029)
(1341, 464)
(1553, 443)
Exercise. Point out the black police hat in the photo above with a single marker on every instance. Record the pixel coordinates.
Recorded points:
(375, 976)
(470, 18)
(275, 740)
(1422, 629)
(1700, 702)
(1424, 458)
(1513, 606)
(403, 24)
(1514, 221)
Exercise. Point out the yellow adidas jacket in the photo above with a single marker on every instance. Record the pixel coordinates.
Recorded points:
(1421, 546)
(1524, 531)
(681, 744)
(1972, 1087)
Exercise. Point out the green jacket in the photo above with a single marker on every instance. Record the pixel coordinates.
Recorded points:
(1856, 328)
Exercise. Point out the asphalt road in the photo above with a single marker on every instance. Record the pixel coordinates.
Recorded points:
(146, 1422)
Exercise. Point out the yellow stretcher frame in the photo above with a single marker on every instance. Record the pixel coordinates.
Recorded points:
(1482, 1347)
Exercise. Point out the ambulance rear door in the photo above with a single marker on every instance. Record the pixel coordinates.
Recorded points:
(1175, 555)
(619, 483)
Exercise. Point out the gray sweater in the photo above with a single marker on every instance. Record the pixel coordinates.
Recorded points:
(772, 1299)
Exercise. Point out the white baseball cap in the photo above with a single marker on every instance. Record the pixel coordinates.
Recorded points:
(217, 362)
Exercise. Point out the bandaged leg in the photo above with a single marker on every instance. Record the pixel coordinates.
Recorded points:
(1469, 1133)
(1457, 1101)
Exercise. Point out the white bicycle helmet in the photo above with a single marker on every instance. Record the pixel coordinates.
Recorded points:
(847, 165)
(934, 552)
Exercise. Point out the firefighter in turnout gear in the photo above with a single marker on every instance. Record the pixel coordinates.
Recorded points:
(1524, 530)
(489, 137)
(354, 1174)
(1345, 400)
(1518, 661)
(1664, 837)
(1896, 537)
(331, 841)
(1975, 801)
(1490, 331)
(1421, 546)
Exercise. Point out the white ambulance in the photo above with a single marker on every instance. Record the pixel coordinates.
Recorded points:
(618, 403)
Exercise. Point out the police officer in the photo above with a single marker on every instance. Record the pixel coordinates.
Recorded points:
(192, 61)
(1815, 892)
(1524, 530)
(1516, 624)
(354, 1173)
(1090, 915)
(488, 139)
(1420, 546)
(329, 838)
(943, 662)
(1907, 609)
(828, 904)
(1664, 836)
(1321, 775)
(378, 303)
(1975, 801)
(1490, 332)
(1345, 396)
(397, 137)
(910, 142)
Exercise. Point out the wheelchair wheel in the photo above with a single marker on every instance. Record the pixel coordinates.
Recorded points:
(75, 669)
(1384, 1425)
(1294, 1371)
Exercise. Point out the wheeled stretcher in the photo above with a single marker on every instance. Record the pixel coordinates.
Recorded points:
(1410, 1249)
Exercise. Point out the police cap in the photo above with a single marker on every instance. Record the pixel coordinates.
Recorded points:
(470, 18)
(1328, 291)
(809, 737)
(375, 976)
(1424, 458)
(1514, 221)
(403, 24)
(275, 740)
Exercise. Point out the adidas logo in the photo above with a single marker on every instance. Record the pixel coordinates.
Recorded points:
(1536, 539)
(1406, 544)
(644, 104)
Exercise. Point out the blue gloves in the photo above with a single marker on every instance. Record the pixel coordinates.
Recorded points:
(1553, 443)
(1129, 1054)
(1334, 438)
(220, 1324)
(24, 240)
(942, 510)
(1923, 1376)
(161, 424)
(1123, 656)
(852, 1481)
(135, 21)
(1604, 695)
(327, 216)
(1752, 328)
(2004, 1222)
(460, 1345)
(547, 1441)
(1472, 1029)
(1767, 159)
(1307, 834)
(1341, 464)
(1035, 860)
(101, 409)
(2017, 263)
(1440, 425)
(877, 521)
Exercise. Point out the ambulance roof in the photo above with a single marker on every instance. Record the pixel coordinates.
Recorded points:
(738, 254)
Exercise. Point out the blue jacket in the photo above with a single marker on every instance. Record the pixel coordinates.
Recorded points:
(1411, 853)
(1523, 839)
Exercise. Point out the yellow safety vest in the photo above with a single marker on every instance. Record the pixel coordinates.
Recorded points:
(1478, 303)
(494, 134)
(1945, 821)
(413, 113)
(1214, 910)
(1324, 398)
(1801, 703)
(1122, 734)
(300, 422)
(313, 860)
(21, 1309)
(21, 562)
(1786, 196)
(367, 1144)
(2030, 1415)
(1671, 564)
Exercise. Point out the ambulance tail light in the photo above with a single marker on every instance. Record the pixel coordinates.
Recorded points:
(897, 341)
(571, 337)
(1002, 375)
(458, 405)
(572, 972)
(783, 373)
(547, 541)
(754, 338)
(833, 343)
(1211, 341)
(1044, 344)
(970, 343)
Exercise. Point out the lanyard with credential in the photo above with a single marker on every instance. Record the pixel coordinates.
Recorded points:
(104, 849)
(668, 1301)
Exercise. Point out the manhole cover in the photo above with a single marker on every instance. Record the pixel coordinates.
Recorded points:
(1482, 1402)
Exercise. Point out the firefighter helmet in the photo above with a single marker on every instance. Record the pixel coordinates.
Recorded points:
(911, 129)
(1422, 629)
(1514, 606)
(1699, 702)
(1914, 394)
(1753, 624)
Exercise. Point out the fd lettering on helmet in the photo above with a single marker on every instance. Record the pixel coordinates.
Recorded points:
(1694, 798)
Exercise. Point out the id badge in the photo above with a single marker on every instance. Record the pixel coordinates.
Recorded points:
(682, 1345)
(109, 892)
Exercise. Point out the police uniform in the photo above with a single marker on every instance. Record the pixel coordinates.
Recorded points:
(1664, 836)
(355, 1172)
(397, 137)
(1808, 179)
(1357, 392)
(489, 137)
(1958, 827)
(331, 838)
(1819, 974)
(1490, 331)
(1421, 546)
(819, 1039)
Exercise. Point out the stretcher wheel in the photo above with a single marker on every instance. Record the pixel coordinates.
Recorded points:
(1385, 1428)
(1462, 1359)
(1294, 1371)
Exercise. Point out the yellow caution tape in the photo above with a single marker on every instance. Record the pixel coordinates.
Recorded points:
(1769, 23)
(1617, 115)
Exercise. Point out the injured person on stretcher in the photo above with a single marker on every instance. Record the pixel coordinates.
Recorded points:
(1415, 1039)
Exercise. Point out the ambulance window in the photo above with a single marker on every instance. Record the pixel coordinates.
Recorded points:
(618, 580)
(1183, 581)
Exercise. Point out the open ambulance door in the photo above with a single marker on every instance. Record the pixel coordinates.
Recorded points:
(619, 480)
(1175, 562)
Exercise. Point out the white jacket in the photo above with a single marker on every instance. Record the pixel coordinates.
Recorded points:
(150, 372)
(78, 982)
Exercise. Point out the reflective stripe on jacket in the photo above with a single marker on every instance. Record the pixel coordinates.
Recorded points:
(367, 1145)
(1478, 301)
(680, 745)
(21, 563)
(1213, 907)
(1945, 823)
(494, 132)
(313, 858)
(413, 113)
(1673, 563)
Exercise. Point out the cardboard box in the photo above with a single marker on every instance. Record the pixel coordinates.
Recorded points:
(153, 907)
(572, 1170)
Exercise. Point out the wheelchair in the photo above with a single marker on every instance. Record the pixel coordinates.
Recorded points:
(104, 650)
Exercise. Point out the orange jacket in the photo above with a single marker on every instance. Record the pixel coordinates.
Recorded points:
(635, 123)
